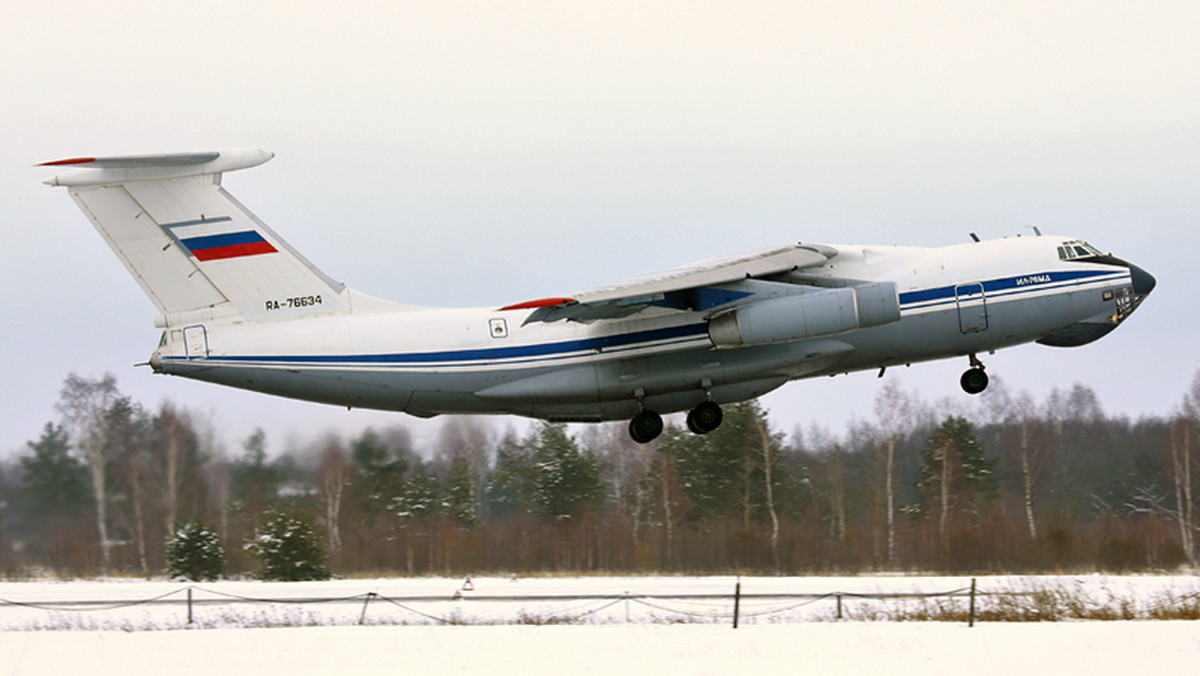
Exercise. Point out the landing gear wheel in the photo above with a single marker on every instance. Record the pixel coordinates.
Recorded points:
(705, 418)
(974, 380)
(645, 427)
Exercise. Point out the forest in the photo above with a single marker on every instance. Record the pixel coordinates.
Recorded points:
(997, 483)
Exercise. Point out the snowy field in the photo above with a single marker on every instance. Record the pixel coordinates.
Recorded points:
(624, 625)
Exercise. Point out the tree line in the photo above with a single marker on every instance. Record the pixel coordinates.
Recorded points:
(1000, 482)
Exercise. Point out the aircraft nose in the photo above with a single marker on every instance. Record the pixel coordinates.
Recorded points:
(1143, 282)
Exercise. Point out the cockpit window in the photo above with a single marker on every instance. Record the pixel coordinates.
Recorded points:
(1077, 249)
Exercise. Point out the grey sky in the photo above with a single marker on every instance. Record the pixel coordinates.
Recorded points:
(485, 153)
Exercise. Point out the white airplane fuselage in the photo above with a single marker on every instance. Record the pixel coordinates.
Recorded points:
(241, 307)
(954, 301)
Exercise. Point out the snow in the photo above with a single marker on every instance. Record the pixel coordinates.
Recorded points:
(652, 642)
(892, 648)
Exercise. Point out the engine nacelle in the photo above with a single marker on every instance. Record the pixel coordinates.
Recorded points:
(806, 315)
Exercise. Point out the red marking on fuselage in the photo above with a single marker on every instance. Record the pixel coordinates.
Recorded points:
(543, 302)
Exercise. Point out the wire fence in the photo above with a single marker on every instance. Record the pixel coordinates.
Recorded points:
(207, 606)
(214, 606)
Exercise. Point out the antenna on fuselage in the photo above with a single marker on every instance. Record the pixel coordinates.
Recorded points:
(1036, 230)
(974, 237)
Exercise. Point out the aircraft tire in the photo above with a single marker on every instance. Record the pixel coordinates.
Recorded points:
(974, 381)
(645, 427)
(705, 418)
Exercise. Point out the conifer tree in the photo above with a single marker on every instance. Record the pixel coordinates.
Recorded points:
(510, 485)
(379, 474)
(56, 486)
(289, 547)
(194, 552)
(568, 479)
(956, 477)
(462, 505)
(54, 480)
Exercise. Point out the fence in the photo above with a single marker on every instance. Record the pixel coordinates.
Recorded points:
(208, 606)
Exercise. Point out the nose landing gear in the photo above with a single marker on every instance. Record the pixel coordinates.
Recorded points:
(974, 380)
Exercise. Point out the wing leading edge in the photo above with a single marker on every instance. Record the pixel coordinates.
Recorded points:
(681, 288)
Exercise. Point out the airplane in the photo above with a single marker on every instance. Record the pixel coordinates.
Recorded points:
(240, 307)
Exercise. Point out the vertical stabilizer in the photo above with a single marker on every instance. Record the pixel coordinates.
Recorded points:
(193, 248)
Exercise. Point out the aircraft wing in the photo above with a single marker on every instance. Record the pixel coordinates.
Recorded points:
(677, 287)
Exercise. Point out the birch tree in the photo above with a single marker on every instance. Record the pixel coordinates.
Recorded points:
(894, 410)
(85, 405)
(1029, 454)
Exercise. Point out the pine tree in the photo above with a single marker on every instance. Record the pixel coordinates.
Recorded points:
(379, 474)
(721, 472)
(289, 547)
(416, 504)
(461, 503)
(255, 481)
(194, 552)
(567, 479)
(510, 485)
(56, 486)
(956, 477)
(54, 480)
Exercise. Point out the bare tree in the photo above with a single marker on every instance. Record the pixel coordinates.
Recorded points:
(1029, 454)
(128, 451)
(1181, 465)
(334, 476)
(84, 405)
(829, 478)
(770, 455)
(893, 408)
(171, 424)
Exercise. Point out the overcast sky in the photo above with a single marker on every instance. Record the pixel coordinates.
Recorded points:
(485, 153)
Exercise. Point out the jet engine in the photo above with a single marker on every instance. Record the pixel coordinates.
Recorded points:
(807, 314)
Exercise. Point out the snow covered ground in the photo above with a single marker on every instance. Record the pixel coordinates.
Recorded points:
(676, 636)
(814, 648)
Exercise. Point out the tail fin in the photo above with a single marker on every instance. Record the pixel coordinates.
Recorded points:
(194, 249)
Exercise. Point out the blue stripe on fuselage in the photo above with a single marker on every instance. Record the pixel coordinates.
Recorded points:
(490, 354)
(1024, 282)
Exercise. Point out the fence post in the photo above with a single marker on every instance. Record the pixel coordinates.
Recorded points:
(190, 620)
(839, 606)
(363, 615)
(971, 620)
(737, 601)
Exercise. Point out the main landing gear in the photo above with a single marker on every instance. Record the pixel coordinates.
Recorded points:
(974, 380)
(704, 418)
(647, 425)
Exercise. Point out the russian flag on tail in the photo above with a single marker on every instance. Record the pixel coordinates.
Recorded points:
(228, 245)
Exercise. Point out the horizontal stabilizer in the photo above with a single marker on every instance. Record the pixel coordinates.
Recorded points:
(96, 171)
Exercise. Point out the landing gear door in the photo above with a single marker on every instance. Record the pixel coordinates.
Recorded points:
(972, 308)
(195, 341)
